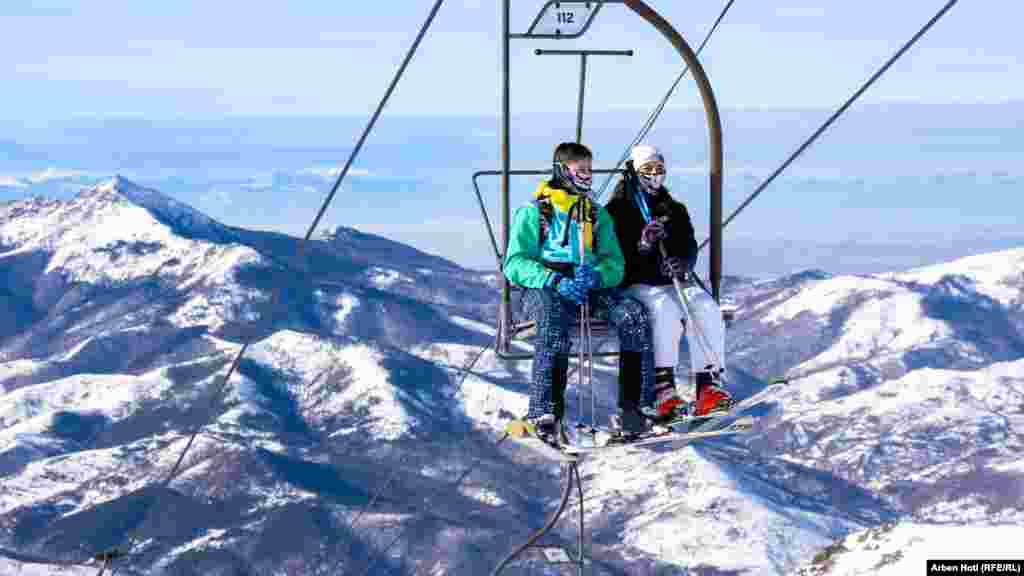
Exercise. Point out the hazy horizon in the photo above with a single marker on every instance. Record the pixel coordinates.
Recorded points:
(890, 187)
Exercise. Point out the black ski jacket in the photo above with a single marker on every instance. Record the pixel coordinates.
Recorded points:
(629, 222)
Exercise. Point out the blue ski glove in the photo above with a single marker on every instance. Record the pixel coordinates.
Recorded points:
(587, 277)
(571, 290)
(673, 267)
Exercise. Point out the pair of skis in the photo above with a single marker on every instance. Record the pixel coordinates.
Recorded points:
(658, 436)
(688, 428)
(675, 433)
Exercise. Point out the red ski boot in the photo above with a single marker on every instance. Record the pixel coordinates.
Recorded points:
(668, 406)
(712, 399)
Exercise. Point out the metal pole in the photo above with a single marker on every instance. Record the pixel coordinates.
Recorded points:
(714, 133)
(581, 373)
(487, 221)
(579, 106)
(544, 52)
(583, 54)
(702, 338)
(715, 225)
(579, 491)
(505, 309)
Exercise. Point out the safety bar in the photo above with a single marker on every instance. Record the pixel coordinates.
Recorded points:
(483, 209)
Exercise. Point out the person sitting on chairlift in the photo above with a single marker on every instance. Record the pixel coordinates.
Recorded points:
(544, 258)
(645, 215)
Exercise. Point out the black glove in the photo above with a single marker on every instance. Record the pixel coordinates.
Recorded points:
(673, 267)
(652, 233)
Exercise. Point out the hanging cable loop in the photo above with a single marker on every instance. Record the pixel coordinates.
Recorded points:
(568, 470)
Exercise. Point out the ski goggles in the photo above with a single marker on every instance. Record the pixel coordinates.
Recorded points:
(651, 169)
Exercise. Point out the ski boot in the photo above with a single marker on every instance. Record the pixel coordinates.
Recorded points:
(668, 406)
(629, 423)
(548, 429)
(712, 400)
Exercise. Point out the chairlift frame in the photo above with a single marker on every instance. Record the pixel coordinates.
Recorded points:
(583, 54)
(506, 329)
(531, 34)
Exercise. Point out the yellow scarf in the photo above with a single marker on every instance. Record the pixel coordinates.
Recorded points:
(564, 201)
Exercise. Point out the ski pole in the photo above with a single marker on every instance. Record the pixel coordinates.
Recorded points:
(590, 333)
(586, 343)
(702, 338)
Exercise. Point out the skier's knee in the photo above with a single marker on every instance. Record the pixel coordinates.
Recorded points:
(633, 315)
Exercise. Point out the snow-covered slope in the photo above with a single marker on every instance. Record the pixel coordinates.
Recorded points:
(910, 384)
(724, 508)
(999, 276)
(884, 325)
(352, 439)
(122, 309)
(943, 444)
(904, 548)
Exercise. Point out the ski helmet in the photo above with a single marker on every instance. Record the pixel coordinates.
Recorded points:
(570, 177)
(650, 167)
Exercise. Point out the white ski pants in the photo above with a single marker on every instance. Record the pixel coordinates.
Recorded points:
(705, 329)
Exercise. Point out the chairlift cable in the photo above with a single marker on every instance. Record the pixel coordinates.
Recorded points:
(355, 522)
(448, 487)
(803, 147)
(300, 251)
(644, 131)
(563, 503)
(649, 123)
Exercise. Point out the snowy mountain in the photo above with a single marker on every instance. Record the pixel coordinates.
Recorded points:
(908, 384)
(352, 440)
(949, 316)
(898, 549)
(899, 380)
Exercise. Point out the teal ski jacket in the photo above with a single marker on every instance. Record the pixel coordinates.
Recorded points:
(526, 256)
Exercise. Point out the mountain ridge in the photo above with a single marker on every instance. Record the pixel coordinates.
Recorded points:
(360, 398)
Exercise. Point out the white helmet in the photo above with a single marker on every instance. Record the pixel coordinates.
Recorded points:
(643, 154)
(647, 154)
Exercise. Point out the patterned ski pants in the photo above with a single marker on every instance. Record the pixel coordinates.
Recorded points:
(554, 317)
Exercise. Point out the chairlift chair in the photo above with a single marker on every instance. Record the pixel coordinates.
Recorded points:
(568, 20)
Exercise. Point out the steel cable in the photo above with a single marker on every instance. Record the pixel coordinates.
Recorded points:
(300, 254)
(803, 147)
(649, 123)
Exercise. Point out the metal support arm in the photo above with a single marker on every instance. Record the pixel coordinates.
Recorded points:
(714, 122)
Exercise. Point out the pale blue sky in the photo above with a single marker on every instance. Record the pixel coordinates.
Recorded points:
(214, 90)
(165, 59)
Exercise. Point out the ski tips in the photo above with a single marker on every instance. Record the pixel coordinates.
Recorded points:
(520, 429)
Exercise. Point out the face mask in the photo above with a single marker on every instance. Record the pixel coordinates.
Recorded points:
(652, 182)
(580, 179)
